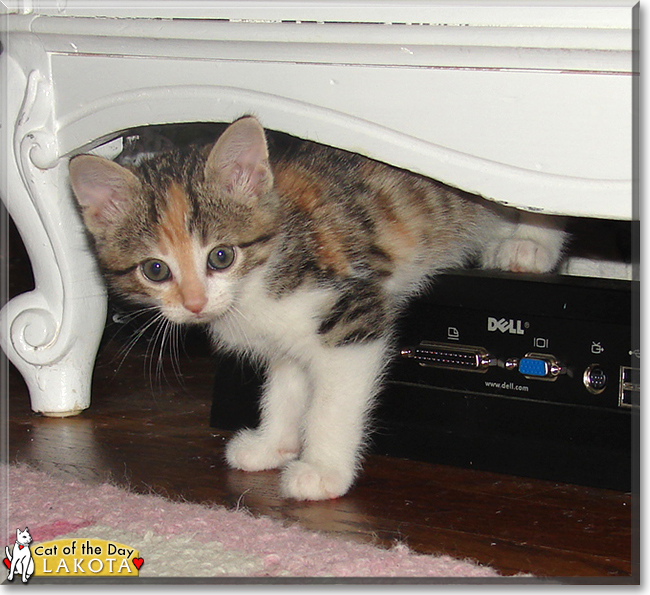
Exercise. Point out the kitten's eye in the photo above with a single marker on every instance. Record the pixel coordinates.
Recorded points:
(155, 270)
(221, 258)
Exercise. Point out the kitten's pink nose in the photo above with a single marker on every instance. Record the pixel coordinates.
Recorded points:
(195, 301)
(195, 305)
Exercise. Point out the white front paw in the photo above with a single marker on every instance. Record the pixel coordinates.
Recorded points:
(251, 450)
(308, 481)
(525, 256)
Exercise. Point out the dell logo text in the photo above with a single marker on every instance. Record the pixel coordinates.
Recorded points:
(514, 327)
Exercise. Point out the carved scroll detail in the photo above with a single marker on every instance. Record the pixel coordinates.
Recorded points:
(36, 332)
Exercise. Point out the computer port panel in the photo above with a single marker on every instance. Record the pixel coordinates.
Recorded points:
(559, 400)
(554, 339)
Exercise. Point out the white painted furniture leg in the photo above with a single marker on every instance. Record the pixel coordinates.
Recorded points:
(52, 333)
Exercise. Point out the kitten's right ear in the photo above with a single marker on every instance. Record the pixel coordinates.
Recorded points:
(101, 187)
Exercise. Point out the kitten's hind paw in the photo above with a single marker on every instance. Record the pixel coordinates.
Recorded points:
(525, 256)
(307, 481)
(250, 450)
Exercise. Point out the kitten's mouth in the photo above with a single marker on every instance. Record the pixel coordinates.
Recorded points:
(187, 318)
(208, 317)
(201, 318)
(190, 318)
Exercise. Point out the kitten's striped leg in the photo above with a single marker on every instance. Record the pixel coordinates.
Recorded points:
(345, 381)
(277, 440)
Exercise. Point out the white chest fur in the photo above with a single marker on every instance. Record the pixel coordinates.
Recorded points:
(270, 327)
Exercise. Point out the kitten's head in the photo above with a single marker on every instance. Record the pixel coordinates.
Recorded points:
(183, 228)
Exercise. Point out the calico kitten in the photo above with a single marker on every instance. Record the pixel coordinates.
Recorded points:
(302, 258)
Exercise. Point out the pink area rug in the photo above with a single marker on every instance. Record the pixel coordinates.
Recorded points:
(185, 540)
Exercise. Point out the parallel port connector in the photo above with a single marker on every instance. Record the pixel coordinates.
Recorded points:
(450, 356)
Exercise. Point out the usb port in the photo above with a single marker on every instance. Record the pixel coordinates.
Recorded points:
(629, 387)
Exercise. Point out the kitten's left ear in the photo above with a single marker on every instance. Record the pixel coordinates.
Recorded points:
(239, 160)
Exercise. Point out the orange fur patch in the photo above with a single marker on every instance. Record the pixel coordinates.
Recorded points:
(305, 194)
(331, 253)
(175, 239)
(398, 229)
(398, 240)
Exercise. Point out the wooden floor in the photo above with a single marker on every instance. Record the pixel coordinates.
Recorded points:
(154, 434)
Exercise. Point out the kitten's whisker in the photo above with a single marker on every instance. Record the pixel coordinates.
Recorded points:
(158, 335)
(177, 336)
(138, 334)
(236, 319)
(125, 319)
(147, 324)
(151, 341)
(165, 339)
(159, 339)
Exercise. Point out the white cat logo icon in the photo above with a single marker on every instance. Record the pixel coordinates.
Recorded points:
(20, 559)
